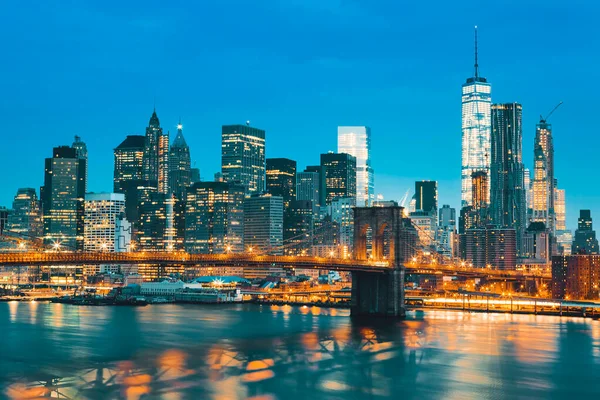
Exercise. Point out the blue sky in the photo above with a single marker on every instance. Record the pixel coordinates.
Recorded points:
(297, 68)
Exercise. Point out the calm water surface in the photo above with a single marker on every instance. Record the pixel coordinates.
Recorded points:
(268, 353)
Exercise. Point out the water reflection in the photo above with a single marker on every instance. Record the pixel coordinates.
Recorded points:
(282, 352)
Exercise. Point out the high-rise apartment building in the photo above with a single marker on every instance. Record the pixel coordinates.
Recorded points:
(263, 224)
(214, 218)
(356, 141)
(543, 177)
(585, 241)
(156, 156)
(576, 277)
(281, 179)
(179, 165)
(476, 130)
(243, 156)
(508, 202)
(62, 198)
(340, 175)
(26, 218)
(102, 211)
(128, 165)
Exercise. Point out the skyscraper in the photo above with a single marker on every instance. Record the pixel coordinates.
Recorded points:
(25, 219)
(243, 156)
(179, 165)
(299, 227)
(322, 185)
(308, 187)
(62, 198)
(214, 218)
(281, 179)
(426, 196)
(82, 154)
(263, 224)
(508, 205)
(476, 130)
(585, 236)
(128, 162)
(340, 175)
(543, 176)
(356, 141)
(152, 226)
(564, 237)
(156, 155)
(102, 212)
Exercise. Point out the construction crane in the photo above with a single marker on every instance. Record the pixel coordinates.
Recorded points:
(543, 120)
(403, 199)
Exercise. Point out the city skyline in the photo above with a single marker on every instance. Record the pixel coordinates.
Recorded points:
(203, 121)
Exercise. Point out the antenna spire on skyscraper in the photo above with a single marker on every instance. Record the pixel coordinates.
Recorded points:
(476, 65)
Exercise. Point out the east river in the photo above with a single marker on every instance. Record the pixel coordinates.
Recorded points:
(272, 352)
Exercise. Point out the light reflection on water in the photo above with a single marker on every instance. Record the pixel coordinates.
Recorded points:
(283, 352)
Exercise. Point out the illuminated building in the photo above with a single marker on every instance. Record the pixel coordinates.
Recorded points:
(179, 165)
(508, 203)
(243, 157)
(299, 228)
(585, 241)
(128, 158)
(214, 219)
(342, 214)
(564, 237)
(340, 175)
(281, 179)
(356, 141)
(476, 131)
(26, 218)
(491, 247)
(308, 187)
(543, 177)
(321, 187)
(151, 229)
(263, 224)
(62, 199)
(82, 153)
(102, 211)
(528, 194)
(155, 161)
(576, 277)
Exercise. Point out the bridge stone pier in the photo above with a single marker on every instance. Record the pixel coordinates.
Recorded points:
(392, 239)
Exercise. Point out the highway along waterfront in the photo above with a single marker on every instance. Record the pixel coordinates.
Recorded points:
(241, 351)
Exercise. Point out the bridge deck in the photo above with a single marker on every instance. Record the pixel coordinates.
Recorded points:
(246, 260)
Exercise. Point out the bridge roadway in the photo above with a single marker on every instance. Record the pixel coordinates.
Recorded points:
(247, 260)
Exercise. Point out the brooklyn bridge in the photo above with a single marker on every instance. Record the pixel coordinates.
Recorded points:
(378, 269)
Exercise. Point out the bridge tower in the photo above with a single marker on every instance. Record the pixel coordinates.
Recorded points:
(392, 239)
